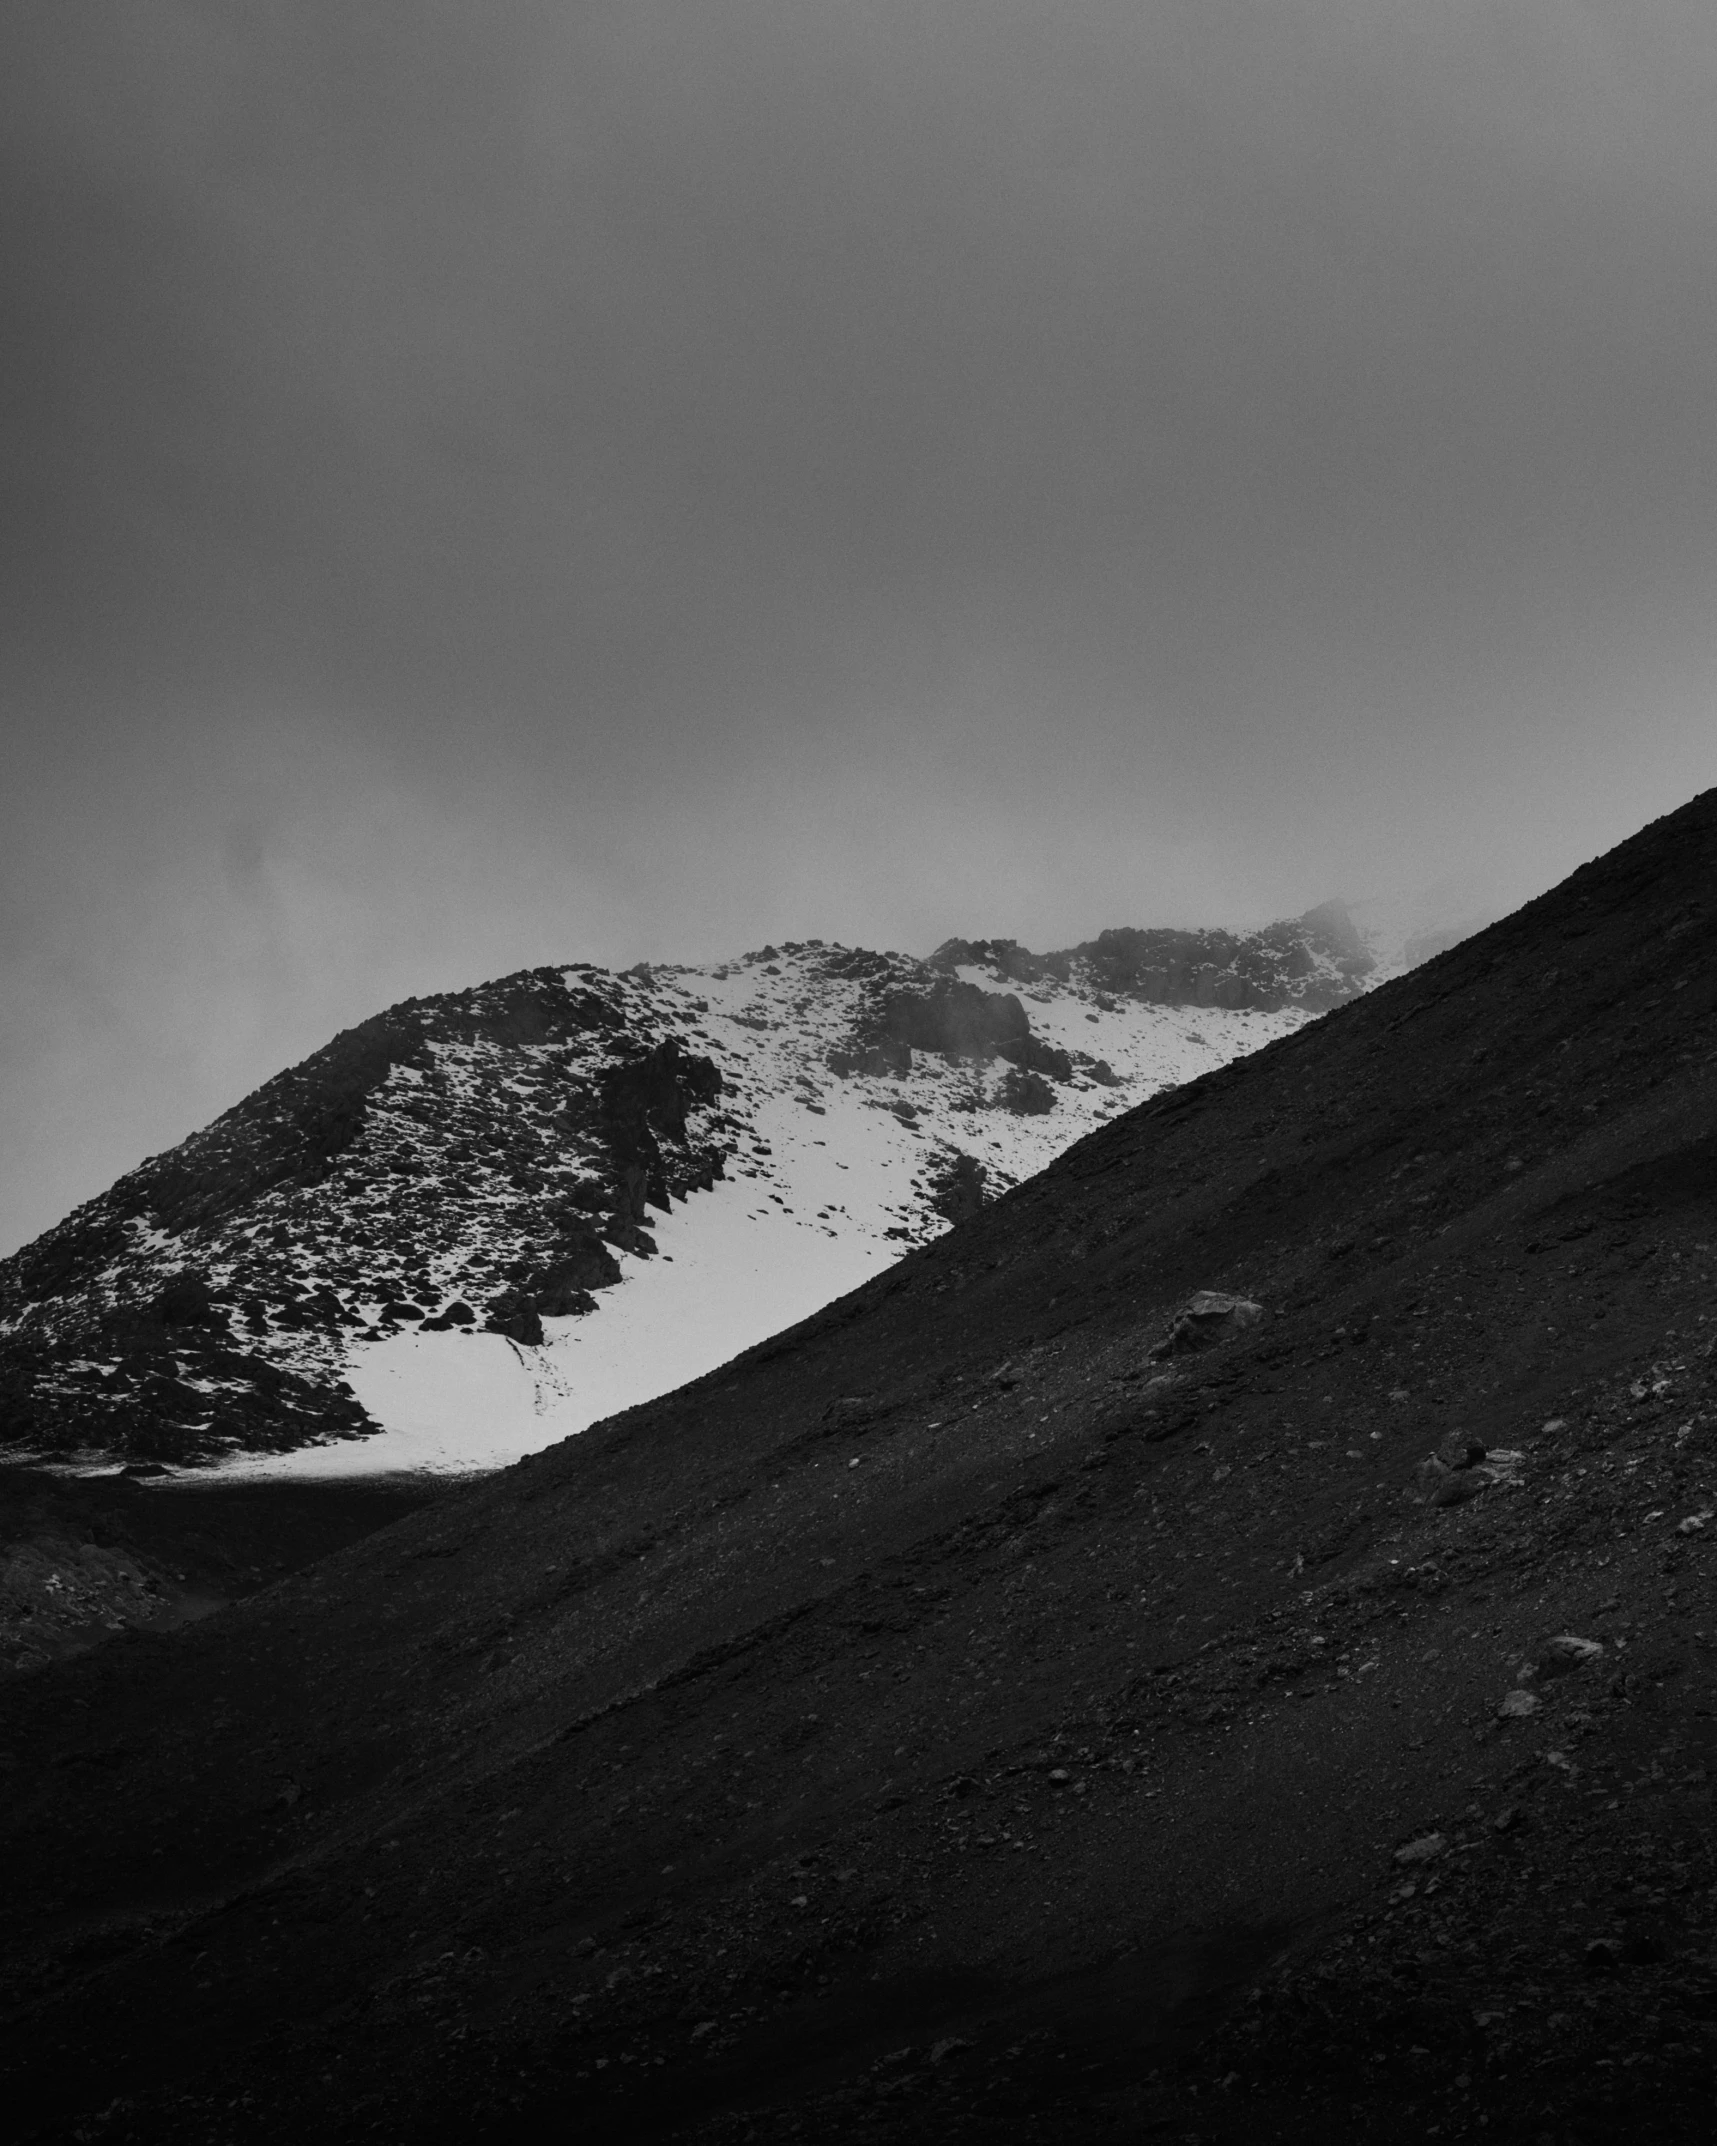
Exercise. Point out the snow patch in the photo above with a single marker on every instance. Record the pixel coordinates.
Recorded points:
(730, 1274)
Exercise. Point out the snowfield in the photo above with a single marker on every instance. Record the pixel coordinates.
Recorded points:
(727, 1276)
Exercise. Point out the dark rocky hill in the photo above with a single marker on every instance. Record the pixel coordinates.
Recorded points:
(1220, 1645)
(449, 1158)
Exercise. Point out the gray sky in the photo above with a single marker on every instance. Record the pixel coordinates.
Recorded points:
(488, 484)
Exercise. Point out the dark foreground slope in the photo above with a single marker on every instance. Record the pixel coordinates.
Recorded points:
(85, 1558)
(935, 1726)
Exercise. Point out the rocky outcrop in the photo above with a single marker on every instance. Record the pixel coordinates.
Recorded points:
(950, 1019)
(645, 1102)
(958, 1020)
(560, 1289)
(1025, 1093)
(1004, 958)
(958, 1185)
(1314, 961)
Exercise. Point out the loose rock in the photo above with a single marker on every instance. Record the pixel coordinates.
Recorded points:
(1204, 1320)
(1423, 1850)
(1565, 1653)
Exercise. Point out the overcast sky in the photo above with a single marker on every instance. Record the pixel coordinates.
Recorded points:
(489, 484)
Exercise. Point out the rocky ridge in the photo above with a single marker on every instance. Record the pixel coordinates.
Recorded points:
(1314, 962)
(490, 1159)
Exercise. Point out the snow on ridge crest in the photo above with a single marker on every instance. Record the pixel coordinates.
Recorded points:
(483, 1220)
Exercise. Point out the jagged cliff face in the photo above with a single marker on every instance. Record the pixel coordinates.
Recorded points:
(431, 1221)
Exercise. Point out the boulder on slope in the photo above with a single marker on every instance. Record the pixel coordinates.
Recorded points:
(1206, 1318)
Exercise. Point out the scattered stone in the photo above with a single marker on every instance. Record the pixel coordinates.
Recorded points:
(1423, 1850)
(950, 2046)
(1560, 1656)
(1206, 1319)
(1517, 1705)
(851, 1408)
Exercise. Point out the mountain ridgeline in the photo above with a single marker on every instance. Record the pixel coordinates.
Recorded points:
(486, 1159)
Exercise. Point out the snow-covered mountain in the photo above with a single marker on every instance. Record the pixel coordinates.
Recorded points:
(483, 1220)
